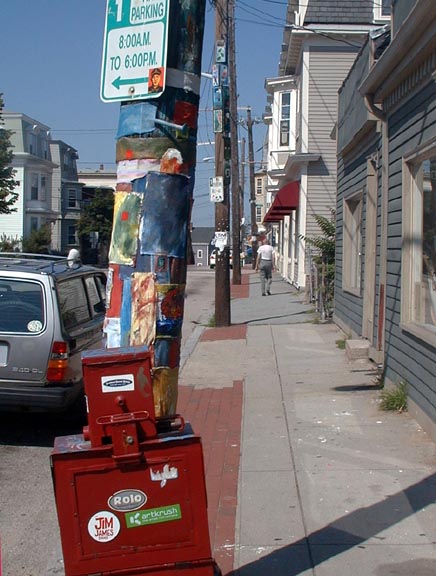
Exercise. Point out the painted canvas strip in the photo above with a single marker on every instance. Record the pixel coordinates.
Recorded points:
(165, 391)
(161, 348)
(166, 213)
(125, 228)
(136, 119)
(167, 352)
(111, 329)
(170, 305)
(185, 113)
(143, 328)
(128, 170)
(113, 291)
(135, 148)
(126, 312)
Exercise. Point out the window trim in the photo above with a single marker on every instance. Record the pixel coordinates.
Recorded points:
(411, 254)
(352, 252)
(378, 11)
(285, 119)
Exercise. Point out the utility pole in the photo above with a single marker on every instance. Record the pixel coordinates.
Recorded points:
(236, 205)
(222, 160)
(241, 192)
(252, 187)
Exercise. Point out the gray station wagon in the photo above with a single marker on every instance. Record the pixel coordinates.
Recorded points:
(51, 309)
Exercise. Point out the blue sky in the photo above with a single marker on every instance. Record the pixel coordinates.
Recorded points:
(50, 62)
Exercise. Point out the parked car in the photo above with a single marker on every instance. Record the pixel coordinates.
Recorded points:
(212, 259)
(51, 309)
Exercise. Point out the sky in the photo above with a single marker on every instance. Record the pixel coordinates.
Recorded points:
(50, 69)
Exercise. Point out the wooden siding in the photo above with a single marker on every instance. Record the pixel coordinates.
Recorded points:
(407, 357)
(327, 69)
(352, 179)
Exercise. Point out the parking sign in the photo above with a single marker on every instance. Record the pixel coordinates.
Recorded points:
(134, 50)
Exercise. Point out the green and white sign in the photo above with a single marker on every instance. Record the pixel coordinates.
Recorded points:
(135, 49)
(153, 516)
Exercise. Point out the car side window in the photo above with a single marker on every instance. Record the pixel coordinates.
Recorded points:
(95, 291)
(21, 306)
(73, 302)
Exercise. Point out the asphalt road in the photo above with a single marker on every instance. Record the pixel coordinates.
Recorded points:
(28, 523)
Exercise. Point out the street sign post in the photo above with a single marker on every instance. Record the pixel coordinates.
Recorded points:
(216, 189)
(135, 49)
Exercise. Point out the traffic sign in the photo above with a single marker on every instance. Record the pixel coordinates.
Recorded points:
(134, 50)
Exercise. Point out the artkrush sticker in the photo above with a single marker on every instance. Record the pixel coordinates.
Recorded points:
(104, 526)
(153, 516)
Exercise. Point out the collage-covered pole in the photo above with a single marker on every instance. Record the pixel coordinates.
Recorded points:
(152, 65)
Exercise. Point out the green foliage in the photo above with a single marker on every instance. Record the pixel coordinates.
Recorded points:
(394, 398)
(324, 260)
(325, 244)
(341, 344)
(39, 240)
(9, 244)
(97, 216)
(8, 196)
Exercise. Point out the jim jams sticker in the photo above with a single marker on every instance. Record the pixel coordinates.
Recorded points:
(103, 526)
(153, 516)
(118, 383)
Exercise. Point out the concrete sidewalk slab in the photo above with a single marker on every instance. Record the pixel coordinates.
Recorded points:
(327, 483)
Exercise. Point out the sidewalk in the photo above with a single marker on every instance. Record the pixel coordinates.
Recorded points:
(305, 475)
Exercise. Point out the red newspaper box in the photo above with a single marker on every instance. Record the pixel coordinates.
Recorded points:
(118, 389)
(143, 517)
(130, 492)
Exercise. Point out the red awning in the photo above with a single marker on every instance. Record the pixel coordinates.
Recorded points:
(287, 199)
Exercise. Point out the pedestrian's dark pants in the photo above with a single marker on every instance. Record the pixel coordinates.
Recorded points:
(265, 271)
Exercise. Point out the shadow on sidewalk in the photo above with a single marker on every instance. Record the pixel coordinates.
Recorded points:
(348, 532)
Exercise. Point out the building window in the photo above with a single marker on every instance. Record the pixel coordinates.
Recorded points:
(285, 118)
(258, 213)
(33, 223)
(199, 254)
(382, 9)
(72, 198)
(72, 240)
(352, 244)
(259, 187)
(34, 186)
(418, 277)
(43, 187)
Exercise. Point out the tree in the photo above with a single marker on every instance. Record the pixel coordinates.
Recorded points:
(324, 260)
(8, 196)
(9, 243)
(38, 241)
(97, 217)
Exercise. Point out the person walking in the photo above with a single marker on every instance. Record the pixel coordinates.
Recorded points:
(265, 263)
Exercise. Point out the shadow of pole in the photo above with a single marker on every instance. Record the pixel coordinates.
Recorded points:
(344, 533)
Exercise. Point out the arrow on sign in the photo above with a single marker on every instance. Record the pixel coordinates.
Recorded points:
(118, 82)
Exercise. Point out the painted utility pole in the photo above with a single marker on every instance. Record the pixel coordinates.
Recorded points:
(152, 65)
(221, 123)
(252, 187)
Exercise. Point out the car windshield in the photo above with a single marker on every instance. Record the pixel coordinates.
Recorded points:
(21, 306)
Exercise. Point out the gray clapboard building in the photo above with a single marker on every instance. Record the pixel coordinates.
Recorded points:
(385, 289)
